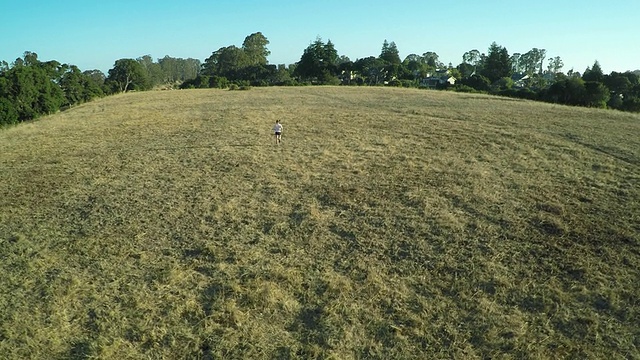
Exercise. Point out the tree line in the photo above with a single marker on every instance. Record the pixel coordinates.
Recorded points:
(30, 87)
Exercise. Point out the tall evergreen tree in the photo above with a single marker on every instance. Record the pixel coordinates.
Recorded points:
(594, 73)
(318, 62)
(497, 64)
(389, 53)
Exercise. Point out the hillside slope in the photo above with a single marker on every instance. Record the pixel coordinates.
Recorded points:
(391, 223)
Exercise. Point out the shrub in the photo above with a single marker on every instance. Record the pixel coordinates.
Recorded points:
(615, 102)
(330, 80)
(204, 82)
(395, 82)
(597, 95)
(218, 82)
(289, 82)
(409, 83)
(260, 83)
(477, 82)
(504, 83)
(464, 88)
(527, 93)
(631, 104)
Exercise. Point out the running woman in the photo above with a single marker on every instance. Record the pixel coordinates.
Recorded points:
(277, 130)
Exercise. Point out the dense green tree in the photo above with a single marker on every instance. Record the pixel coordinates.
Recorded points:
(31, 88)
(478, 82)
(331, 57)
(631, 104)
(199, 82)
(634, 77)
(177, 69)
(372, 69)
(53, 69)
(98, 78)
(30, 59)
(258, 75)
(390, 56)
(415, 66)
(72, 86)
(282, 75)
(247, 64)
(80, 87)
(389, 53)
(413, 58)
(171, 70)
(8, 112)
(96, 75)
(318, 62)
(92, 88)
(153, 70)
(432, 60)
(226, 61)
(594, 73)
(620, 86)
(126, 75)
(255, 47)
(504, 83)
(497, 64)
(210, 64)
(32, 91)
(570, 91)
(596, 95)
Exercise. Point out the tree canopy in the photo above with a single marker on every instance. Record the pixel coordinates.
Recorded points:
(128, 74)
(497, 64)
(255, 47)
(390, 53)
(318, 63)
(30, 87)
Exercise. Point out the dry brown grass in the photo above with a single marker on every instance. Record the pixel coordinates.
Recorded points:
(392, 223)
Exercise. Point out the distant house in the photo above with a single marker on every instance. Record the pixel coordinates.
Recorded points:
(519, 80)
(437, 80)
(347, 76)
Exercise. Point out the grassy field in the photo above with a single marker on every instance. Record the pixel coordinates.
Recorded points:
(390, 224)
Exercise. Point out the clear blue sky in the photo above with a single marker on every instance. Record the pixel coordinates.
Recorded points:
(92, 34)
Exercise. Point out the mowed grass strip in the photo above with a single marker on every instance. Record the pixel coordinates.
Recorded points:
(391, 223)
